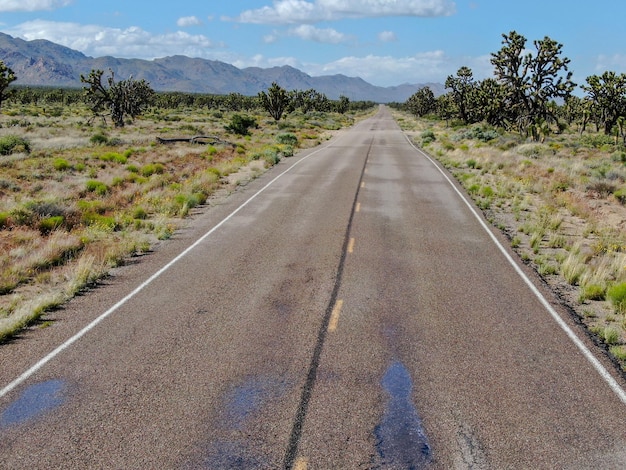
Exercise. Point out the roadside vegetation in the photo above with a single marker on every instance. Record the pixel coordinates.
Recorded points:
(546, 166)
(81, 193)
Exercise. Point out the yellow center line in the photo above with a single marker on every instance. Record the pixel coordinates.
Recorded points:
(351, 245)
(363, 184)
(334, 316)
(358, 209)
(301, 464)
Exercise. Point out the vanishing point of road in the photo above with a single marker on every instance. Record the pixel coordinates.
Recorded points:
(349, 309)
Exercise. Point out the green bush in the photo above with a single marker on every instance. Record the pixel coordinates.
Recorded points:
(152, 169)
(99, 139)
(98, 187)
(477, 133)
(102, 221)
(617, 295)
(240, 125)
(49, 224)
(592, 292)
(60, 164)
(428, 137)
(287, 139)
(4, 219)
(140, 213)
(620, 195)
(597, 140)
(114, 157)
(486, 191)
(271, 156)
(13, 144)
(184, 202)
(287, 151)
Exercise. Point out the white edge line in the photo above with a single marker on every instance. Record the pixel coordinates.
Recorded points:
(615, 386)
(43, 361)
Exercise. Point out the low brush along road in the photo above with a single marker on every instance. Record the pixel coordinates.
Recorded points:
(346, 310)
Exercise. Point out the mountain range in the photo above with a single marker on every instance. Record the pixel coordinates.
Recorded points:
(44, 63)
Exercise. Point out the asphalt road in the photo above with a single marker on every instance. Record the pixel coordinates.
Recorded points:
(346, 310)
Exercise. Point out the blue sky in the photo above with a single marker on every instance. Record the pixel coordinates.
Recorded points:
(386, 42)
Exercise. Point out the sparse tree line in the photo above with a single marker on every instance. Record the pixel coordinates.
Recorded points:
(531, 92)
(126, 99)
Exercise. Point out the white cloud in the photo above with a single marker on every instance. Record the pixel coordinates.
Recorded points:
(187, 21)
(311, 33)
(387, 36)
(388, 70)
(99, 41)
(32, 5)
(615, 62)
(271, 38)
(305, 11)
(432, 66)
(308, 33)
(265, 62)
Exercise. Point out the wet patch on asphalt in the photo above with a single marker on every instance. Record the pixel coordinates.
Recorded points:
(400, 437)
(242, 405)
(35, 401)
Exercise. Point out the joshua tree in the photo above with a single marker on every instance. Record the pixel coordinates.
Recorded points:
(126, 98)
(275, 101)
(7, 76)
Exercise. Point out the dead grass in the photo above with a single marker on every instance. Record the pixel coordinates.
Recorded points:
(88, 197)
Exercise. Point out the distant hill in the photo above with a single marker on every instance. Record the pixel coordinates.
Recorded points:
(44, 63)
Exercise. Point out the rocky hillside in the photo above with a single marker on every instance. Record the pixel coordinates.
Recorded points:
(44, 63)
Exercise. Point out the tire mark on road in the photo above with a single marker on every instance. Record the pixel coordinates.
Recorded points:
(296, 432)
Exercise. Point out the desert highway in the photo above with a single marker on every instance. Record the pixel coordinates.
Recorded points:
(346, 310)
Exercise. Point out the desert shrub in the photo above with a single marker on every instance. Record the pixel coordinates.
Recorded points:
(61, 164)
(428, 137)
(597, 140)
(99, 139)
(13, 144)
(287, 139)
(113, 157)
(50, 224)
(592, 292)
(602, 188)
(4, 219)
(214, 170)
(486, 191)
(152, 169)
(240, 125)
(98, 187)
(271, 156)
(619, 156)
(140, 213)
(534, 150)
(8, 185)
(102, 221)
(617, 295)
(620, 195)
(287, 151)
(184, 202)
(477, 133)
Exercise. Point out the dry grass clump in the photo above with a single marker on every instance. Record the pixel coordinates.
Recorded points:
(562, 204)
(78, 199)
